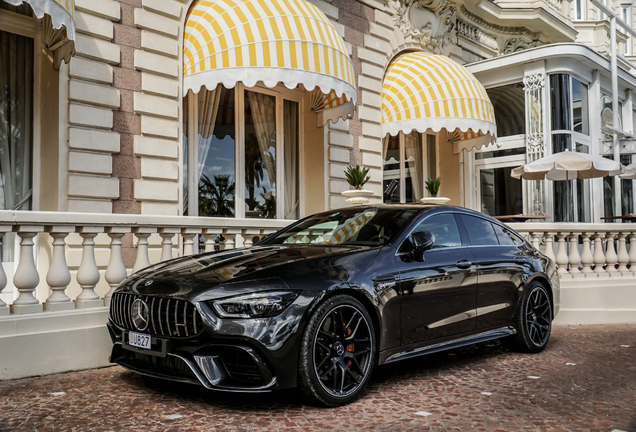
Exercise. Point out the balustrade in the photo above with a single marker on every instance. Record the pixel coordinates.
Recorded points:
(38, 231)
(585, 250)
(581, 251)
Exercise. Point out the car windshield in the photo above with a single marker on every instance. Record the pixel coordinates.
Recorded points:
(366, 226)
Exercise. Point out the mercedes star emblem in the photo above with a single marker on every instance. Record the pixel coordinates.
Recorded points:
(139, 313)
(149, 282)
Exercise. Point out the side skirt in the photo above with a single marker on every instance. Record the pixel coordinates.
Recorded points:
(448, 345)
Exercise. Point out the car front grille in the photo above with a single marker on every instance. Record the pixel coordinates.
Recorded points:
(167, 317)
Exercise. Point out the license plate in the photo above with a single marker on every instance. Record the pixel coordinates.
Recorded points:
(139, 340)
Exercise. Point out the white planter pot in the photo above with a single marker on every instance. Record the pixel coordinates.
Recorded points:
(357, 197)
(435, 200)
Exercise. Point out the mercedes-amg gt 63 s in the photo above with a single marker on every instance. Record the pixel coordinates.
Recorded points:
(319, 304)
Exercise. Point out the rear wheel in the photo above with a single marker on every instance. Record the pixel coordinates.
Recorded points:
(337, 352)
(534, 321)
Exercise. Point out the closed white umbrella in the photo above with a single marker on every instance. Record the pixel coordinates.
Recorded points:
(568, 165)
(630, 172)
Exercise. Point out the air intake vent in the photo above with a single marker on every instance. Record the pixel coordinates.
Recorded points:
(167, 317)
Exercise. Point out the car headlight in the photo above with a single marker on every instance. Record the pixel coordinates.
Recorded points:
(260, 305)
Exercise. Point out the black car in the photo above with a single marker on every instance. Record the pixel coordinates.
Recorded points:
(320, 303)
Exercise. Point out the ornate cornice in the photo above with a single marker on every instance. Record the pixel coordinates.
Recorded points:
(434, 25)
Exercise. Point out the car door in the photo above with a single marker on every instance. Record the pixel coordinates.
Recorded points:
(438, 293)
(500, 270)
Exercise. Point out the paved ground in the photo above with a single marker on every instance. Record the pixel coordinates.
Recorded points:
(584, 381)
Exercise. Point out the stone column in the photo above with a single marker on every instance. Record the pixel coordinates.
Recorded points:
(26, 277)
(58, 276)
(116, 270)
(4, 309)
(88, 273)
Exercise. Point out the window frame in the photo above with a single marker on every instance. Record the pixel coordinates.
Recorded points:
(281, 93)
(402, 162)
(30, 27)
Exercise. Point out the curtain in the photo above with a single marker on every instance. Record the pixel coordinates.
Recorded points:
(208, 108)
(16, 125)
(290, 111)
(415, 164)
(263, 110)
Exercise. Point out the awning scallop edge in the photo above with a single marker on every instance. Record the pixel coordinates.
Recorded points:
(59, 25)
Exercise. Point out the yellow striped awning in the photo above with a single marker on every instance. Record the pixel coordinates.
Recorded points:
(272, 41)
(58, 18)
(423, 91)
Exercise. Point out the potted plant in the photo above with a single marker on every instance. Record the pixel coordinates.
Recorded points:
(357, 177)
(432, 186)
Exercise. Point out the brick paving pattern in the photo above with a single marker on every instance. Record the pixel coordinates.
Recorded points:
(586, 382)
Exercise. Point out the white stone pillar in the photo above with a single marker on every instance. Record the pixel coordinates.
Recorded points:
(88, 273)
(116, 270)
(586, 256)
(4, 309)
(536, 239)
(549, 245)
(210, 234)
(610, 255)
(58, 276)
(26, 277)
(248, 236)
(167, 234)
(189, 234)
(230, 237)
(142, 260)
(574, 256)
(562, 255)
(623, 256)
(632, 252)
(599, 255)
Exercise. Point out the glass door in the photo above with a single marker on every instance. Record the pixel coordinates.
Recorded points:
(497, 192)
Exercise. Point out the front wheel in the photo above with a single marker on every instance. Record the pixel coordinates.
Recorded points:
(337, 352)
(534, 321)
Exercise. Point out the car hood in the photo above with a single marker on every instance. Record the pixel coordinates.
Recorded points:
(220, 274)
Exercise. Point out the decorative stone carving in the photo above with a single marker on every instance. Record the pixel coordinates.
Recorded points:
(429, 23)
(534, 85)
(514, 44)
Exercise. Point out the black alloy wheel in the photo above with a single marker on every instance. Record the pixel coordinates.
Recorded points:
(337, 352)
(534, 321)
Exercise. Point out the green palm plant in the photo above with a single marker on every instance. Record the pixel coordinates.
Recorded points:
(356, 176)
(432, 186)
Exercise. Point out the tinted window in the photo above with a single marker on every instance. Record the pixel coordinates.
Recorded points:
(506, 237)
(444, 228)
(362, 226)
(480, 231)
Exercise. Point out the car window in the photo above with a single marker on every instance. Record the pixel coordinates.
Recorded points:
(444, 228)
(507, 237)
(367, 226)
(480, 231)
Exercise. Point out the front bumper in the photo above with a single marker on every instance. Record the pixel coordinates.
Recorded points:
(244, 355)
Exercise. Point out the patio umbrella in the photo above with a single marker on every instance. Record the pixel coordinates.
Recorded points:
(630, 172)
(568, 165)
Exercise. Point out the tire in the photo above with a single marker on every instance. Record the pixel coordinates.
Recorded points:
(337, 352)
(533, 321)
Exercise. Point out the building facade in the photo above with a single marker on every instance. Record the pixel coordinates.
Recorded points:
(220, 120)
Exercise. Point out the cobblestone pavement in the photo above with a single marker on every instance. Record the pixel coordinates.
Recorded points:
(584, 381)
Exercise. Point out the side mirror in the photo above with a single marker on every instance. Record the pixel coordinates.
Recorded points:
(423, 241)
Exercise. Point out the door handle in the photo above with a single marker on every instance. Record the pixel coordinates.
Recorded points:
(520, 260)
(464, 264)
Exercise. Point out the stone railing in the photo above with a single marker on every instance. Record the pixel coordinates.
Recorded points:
(46, 236)
(584, 250)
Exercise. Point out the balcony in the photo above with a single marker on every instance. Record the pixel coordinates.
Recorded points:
(68, 264)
